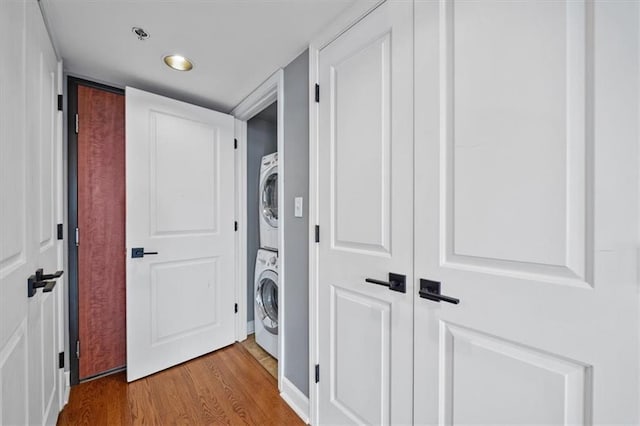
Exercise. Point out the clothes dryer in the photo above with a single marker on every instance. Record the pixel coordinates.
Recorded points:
(268, 203)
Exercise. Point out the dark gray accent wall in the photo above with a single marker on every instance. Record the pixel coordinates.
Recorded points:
(296, 237)
(262, 139)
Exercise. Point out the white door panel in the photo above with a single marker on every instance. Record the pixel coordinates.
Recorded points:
(29, 168)
(526, 205)
(550, 389)
(514, 137)
(180, 302)
(365, 180)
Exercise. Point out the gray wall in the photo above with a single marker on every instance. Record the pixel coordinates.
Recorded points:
(296, 238)
(262, 139)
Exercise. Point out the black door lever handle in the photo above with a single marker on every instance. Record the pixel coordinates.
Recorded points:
(40, 275)
(139, 252)
(39, 280)
(33, 284)
(397, 282)
(431, 290)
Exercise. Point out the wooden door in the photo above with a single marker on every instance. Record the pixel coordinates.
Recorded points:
(180, 232)
(365, 172)
(30, 164)
(526, 199)
(101, 231)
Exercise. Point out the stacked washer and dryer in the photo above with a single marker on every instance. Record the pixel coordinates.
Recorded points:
(266, 274)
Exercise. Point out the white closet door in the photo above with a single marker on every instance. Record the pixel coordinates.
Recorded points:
(29, 193)
(526, 200)
(180, 212)
(366, 225)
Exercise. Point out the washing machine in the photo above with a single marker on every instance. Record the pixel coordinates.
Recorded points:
(268, 202)
(266, 301)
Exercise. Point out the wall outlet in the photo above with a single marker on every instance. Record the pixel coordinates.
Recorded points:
(298, 207)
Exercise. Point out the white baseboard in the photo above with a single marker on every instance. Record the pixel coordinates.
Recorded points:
(250, 327)
(67, 386)
(296, 399)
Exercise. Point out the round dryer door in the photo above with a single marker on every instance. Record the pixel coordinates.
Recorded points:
(267, 300)
(269, 197)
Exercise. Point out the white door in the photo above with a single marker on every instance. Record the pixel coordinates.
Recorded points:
(30, 200)
(526, 210)
(365, 172)
(180, 180)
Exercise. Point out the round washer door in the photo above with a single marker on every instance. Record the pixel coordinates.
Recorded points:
(269, 197)
(267, 300)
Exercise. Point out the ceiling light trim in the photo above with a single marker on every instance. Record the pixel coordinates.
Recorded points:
(178, 62)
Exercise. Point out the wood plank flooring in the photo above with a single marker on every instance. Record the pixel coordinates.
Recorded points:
(226, 387)
(263, 357)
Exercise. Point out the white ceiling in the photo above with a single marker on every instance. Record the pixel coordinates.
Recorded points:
(234, 44)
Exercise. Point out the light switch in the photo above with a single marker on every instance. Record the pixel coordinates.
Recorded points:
(298, 207)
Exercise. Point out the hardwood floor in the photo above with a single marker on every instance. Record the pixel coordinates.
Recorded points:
(263, 357)
(226, 387)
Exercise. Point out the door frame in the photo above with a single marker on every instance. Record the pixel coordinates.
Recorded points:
(270, 91)
(347, 19)
(72, 210)
(63, 382)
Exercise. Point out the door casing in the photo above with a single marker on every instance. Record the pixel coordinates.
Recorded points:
(272, 90)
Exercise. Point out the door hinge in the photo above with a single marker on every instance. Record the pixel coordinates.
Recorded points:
(77, 124)
(317, 373)
(317, 92)
(235, 226)
(235, 308)
(60, 231)
(59, 102)
(78, 349)
(235, 144)
(317, 233)
(61, 360)
(77, 237)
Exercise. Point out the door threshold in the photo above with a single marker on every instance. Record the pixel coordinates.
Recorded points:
(104, 374)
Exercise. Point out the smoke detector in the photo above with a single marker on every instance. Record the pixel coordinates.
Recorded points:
(142, 34)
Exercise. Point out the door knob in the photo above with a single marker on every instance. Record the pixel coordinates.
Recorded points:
(431, 290)
(139, 252)
(397, 282)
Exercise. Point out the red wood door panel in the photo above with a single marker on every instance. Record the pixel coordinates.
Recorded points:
(101, 223)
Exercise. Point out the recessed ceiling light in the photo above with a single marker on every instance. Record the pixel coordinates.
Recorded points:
(142, 34)
(178, 62)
